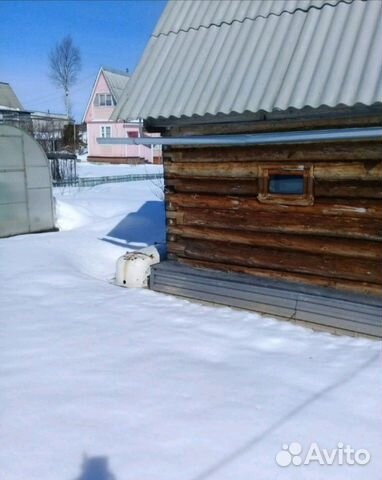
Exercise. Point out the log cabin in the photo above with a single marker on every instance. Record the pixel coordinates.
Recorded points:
(270, 114)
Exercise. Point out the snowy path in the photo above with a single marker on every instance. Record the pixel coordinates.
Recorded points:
(96, 378)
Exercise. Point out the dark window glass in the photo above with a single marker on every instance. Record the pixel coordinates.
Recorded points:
(286, 184)
(103, 100)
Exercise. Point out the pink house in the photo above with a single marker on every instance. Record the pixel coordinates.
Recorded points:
(106, 92)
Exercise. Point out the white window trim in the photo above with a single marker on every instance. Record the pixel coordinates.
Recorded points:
(103, 133)
(97, 102)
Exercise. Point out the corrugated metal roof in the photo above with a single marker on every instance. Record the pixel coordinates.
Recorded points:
(183, 14)
(116, 81)
(8, 97)
(274, 61)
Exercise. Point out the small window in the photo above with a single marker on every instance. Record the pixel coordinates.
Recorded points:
(104, 100)
(286, 184)
(105, 131)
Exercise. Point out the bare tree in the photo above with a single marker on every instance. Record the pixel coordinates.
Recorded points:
(65, 65)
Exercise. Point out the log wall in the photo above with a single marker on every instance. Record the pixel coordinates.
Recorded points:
(215, 219)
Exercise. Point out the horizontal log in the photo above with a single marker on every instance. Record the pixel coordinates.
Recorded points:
(274, 259)
(348, 189)
(371, 170)
(352, 208)
(211, 169)
(301, 243)
(322, 188)
(342, 151)
(205, 185)
(364, 288)
(333, 226)
(368, 170)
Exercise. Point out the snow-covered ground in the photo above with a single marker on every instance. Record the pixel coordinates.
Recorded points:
(85, 169)
(98, 380)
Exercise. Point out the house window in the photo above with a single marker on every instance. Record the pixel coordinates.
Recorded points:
(286, 184)
(106, 131)
(104, 100)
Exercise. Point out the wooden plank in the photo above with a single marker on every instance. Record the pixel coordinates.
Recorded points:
(298, 223)
(206, 185)
(348, 189)
(242, 187)
(352, 208)
(210, 169)
(371, 170)
(342, 151)
(314, 244)
(356, 287)
(368, 170)
(275, 259)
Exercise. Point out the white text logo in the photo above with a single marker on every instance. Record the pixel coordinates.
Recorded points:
(292, 454)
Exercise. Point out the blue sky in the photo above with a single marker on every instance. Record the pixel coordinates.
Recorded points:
(109, 33)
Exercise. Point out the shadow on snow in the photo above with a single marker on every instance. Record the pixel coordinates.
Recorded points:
(95, 468)
(141, 228)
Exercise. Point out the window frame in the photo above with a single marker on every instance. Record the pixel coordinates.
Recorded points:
(103, 129)
(106, 96)
(303, 170)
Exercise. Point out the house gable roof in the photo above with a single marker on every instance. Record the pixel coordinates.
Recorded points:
(116, 82)
(8, 98)
(210, 58)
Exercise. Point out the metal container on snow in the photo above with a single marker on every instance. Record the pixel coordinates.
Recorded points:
(134, 268)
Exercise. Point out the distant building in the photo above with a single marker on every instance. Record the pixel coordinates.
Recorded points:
(105, 95)
(48, 129)
(11, 110)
